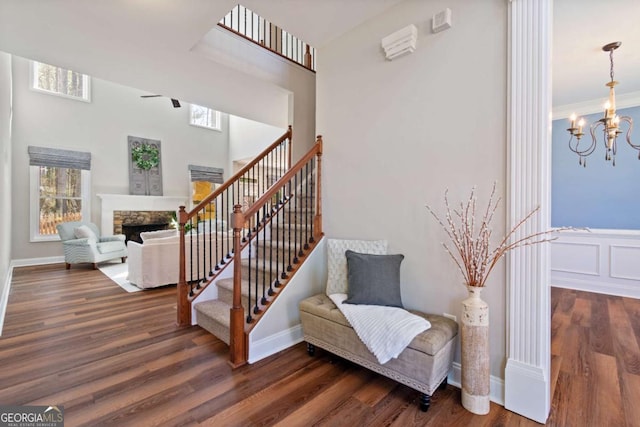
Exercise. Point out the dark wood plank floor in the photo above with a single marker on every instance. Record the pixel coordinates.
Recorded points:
(74, 338)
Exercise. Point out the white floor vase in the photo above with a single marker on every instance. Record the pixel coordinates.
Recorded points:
(475, 353)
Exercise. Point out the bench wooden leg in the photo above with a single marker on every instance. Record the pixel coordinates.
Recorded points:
(425, 402)
(443, 384)
(67, 265)
(124, 259)
(95, 266)
(311, 349)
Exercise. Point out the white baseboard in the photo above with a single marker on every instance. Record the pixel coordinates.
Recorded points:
(25, 262)
(496, 385)
(4, 298)
(529, 391)
(267, 346)
(617, 289)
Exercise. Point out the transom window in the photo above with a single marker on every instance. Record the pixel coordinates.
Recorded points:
(60, 81)
(204, 117)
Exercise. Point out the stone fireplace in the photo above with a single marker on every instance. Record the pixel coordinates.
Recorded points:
(143, 212)
(132, 223)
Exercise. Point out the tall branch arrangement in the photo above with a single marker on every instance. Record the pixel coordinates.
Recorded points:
(471, 250)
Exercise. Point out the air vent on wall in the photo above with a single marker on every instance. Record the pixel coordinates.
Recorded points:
(401, 42)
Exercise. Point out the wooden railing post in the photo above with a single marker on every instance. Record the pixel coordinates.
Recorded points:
(317, 225)
(237, 339)
(308, 62)
(290, 146)
(184, 307)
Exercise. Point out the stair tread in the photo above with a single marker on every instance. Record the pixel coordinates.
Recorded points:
(244, 285)
(214, 309)
(293, 225)
(280, 245)
(245, 262)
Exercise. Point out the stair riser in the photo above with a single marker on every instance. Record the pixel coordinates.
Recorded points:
(213, 326)
(284, 235)
(226, 296)
(278, 255)
(260, 274)
(297, 217)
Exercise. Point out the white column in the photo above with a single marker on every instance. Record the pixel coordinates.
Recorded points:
(527, 383)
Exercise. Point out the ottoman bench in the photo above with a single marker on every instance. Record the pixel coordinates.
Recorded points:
(423, 365)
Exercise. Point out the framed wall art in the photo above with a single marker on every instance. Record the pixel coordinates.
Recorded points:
(145, 166)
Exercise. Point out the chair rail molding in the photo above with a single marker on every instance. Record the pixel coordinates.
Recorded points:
(527, 372)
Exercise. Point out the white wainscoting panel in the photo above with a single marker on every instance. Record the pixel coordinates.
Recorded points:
(576, 257)
(602, 261)
(625, 262)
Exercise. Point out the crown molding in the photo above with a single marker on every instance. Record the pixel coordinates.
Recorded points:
(625, 100)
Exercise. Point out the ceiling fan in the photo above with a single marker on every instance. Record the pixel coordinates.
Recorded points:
(175, 102)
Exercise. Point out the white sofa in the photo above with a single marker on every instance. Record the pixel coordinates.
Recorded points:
(155, 262)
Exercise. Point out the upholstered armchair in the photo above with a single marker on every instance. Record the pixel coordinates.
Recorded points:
(82, 242)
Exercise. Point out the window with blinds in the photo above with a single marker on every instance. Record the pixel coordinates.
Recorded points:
(60, 190)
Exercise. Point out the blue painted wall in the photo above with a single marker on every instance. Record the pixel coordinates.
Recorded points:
(600, 195)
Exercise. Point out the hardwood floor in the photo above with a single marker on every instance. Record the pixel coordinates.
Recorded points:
(596, 359)
(109, 357)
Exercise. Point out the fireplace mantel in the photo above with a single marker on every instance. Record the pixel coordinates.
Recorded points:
(127, 202)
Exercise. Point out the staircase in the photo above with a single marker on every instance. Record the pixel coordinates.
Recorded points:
(276, 218)
(263, 265)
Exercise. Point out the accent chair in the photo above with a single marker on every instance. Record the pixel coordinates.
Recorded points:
(82, 243)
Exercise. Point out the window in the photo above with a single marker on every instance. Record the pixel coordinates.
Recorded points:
(59, 187)
(60, 81)
(204, 180)
(204, 117)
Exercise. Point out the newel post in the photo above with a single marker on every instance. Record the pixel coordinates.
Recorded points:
(184, 306)
(318, 218)
(237, 338)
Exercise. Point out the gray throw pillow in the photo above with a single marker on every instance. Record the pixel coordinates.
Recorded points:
(373, 279)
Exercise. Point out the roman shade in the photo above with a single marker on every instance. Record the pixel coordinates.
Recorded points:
(206, 173)
(54, 157)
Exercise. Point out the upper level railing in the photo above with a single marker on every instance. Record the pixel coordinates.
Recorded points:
(255, 28)
(206, 243)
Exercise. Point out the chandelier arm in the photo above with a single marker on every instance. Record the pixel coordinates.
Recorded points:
(628, 134)
(575, 148)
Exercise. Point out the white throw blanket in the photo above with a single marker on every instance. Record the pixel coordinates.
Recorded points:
(386, 331)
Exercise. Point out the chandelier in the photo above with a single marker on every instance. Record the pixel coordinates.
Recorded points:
(610, 124)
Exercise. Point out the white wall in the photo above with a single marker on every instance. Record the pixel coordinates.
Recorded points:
(603, 261)
(248, 138)
(101, 127)
(5, 177)
(298, 82)
(397, 134)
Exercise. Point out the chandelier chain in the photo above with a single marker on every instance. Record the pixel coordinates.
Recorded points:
(611, 61)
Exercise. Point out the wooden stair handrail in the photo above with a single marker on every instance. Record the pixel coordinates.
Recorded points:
(316, 150)
(184, 302)
(287, 135)
(238, 334)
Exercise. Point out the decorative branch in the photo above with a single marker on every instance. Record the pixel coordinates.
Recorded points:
(471, 251)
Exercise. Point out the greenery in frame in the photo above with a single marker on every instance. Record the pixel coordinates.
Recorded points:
(146, 156)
